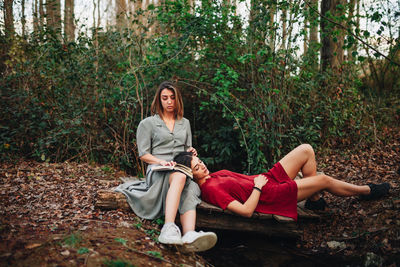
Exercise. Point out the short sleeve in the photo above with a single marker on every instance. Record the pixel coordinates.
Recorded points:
(216, 195)
(188, 135)
(143, 137)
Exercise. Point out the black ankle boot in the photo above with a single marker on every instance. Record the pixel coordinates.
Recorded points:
(377, 191)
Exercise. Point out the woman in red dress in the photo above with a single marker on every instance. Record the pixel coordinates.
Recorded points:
(274, 192)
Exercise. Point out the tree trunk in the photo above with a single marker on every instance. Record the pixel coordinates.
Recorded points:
(23, 19)
(147, 25)
(120, 6)
(41, 14)
(331, 50)
(138, 6)
(272, 30)
(69, 25)
(210, 216)
(98, 14)
(339, 51)
(35, 15)
(53, 11)
(284, 28)
(326, 40)
(350, 27)
(314, 22)
(313, 44)
(8, 18)
(305, 40)
(257, 35)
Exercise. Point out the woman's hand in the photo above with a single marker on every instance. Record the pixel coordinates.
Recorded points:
(260, 181)
(167, 163)
(193, 150)
(247, 209)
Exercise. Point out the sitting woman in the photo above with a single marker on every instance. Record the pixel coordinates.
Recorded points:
(274, 192)
(159, 138)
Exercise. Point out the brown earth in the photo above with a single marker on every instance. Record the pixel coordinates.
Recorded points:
(48, 218)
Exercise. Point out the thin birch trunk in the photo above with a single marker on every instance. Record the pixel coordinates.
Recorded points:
(138, 6)
(53, 10)
(305, 40)
(35, 15)
(314, 23)
(9, 17)
(339, 51)
(284, 27)
(98, 14)
(69, 25)
(272, 30)
(41, 14)
(120, 6)
(96, 47)
(313, 44)
(23, 18)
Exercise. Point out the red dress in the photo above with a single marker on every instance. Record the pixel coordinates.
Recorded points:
(279, 195)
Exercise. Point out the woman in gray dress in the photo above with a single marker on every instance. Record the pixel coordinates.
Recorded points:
(159, 138)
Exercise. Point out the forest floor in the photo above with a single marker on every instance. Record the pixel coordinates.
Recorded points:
(48, 218)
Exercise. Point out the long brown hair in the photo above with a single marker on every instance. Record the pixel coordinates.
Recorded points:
(156, 107)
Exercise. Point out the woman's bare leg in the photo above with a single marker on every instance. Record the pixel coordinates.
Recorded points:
(177, 181)
(188, 221)
(301, 158)
(311, 185)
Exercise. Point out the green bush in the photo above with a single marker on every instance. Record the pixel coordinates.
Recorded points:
(249, 100)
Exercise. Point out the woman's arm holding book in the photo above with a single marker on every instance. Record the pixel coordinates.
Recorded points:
(150, 159)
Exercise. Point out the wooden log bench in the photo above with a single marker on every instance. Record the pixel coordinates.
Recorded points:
(212, 217)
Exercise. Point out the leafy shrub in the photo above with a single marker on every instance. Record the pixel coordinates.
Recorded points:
(249, 97)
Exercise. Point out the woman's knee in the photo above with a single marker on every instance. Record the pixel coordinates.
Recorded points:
(307, 149)
(325, 180)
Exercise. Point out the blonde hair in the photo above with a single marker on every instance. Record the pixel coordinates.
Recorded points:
(156, 106)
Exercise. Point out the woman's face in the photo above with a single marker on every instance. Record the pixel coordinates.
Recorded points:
(199, 169)
(167, 97)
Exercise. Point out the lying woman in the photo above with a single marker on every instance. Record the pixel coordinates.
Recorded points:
(274, 192)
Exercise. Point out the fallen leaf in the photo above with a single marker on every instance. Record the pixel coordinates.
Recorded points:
(65, 253)
(34, 245)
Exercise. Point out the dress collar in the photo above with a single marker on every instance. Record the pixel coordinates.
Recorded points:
(160, 122)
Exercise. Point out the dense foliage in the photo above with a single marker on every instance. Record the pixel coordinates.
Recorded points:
(249, 100)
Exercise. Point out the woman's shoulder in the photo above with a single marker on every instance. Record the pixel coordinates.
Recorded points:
(184, 120)
(151, 120)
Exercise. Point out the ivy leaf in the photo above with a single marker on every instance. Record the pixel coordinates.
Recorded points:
(83, 250)
(155, 254)
(121, 240)
(376, 16)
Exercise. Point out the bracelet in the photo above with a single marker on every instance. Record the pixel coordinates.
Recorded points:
(258, 189)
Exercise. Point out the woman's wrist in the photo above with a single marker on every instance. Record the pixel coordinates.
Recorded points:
(257, 188)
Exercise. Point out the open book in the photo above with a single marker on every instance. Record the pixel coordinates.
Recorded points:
(178, 167)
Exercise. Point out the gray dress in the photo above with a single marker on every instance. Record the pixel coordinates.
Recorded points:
(147, 198)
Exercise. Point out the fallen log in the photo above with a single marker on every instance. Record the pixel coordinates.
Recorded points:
(210, 216)
(111, 200)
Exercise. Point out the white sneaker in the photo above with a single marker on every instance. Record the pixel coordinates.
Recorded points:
(170, 234)
(198, 241)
